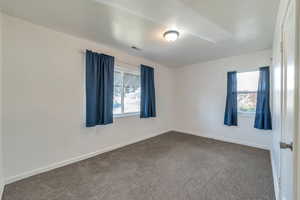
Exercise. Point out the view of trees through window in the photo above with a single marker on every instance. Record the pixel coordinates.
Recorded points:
(247, 84)
(126, 92)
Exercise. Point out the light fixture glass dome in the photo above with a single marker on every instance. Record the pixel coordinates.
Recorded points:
(171, 36)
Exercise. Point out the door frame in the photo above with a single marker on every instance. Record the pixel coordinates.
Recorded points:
(296, 151)
(297, 136)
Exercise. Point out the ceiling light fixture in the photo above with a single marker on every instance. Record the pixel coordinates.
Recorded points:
(171, 36)
(136, 48)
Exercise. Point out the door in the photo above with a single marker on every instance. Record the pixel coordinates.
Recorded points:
(289, 107)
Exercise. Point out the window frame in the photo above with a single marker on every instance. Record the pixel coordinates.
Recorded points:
(241, 113)
(123, 70)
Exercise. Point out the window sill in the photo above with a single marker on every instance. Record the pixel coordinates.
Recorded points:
(126, 115)
(245, 114)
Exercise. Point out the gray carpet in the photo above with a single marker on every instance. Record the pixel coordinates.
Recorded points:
(172, 166)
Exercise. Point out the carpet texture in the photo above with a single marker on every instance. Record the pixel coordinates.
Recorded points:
(172, 166)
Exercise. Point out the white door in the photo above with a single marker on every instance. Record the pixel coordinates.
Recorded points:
(289, 106)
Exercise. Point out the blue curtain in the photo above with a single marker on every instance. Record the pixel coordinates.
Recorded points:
(263, 118)
(148, 107)
(99, 89)
(230, 118)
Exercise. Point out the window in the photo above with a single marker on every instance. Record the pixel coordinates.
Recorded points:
(247, 84)
(127, 92)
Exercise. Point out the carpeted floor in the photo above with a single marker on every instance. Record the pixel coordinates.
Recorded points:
(172, 166)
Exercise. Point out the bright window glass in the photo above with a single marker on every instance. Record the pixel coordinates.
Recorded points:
(247, 84)
(127, 92)
(132, 93)
(118, 87)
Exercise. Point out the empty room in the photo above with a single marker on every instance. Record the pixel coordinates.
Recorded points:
(149, 100)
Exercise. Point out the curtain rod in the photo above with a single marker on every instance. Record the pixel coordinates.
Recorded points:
(117, 60)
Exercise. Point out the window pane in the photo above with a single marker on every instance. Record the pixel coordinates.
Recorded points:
(117, 106)
(247, 102)
(247, 81)
(118, 78)
(132, 93)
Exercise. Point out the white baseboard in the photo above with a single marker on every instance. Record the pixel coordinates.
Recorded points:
(77, 159)
(113, 147)
(226, 139)
(275, 176)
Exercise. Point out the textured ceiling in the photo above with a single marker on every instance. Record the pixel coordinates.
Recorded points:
(209, 29)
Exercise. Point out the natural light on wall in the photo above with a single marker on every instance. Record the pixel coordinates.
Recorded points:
(247, 85)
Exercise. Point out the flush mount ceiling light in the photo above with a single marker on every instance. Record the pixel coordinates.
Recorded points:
(136, 48)
(171, 36)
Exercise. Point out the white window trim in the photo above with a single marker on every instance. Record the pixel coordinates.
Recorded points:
(123, 70)
(132, 114)
(246, 114)
(127, 70)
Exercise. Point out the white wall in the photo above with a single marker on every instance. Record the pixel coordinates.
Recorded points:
(43, 98)
(298, 64)
(1, 153)
(201, 97)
